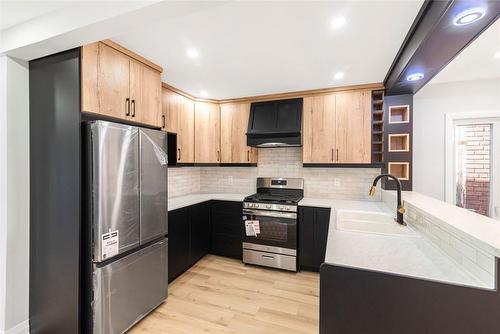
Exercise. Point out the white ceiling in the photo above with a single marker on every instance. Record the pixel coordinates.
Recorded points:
(477, 61)
(16, 12)
(254, 48)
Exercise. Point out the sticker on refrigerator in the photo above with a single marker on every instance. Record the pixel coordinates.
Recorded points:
(252, 228)
(109, 244)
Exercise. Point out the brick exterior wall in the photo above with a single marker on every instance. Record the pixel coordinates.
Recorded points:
(477, 168)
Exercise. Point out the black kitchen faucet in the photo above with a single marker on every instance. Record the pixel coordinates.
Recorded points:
(400, 209)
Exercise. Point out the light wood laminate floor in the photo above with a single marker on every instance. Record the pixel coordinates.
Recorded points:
(220, 295)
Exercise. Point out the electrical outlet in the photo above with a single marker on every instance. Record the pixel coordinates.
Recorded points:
(336, 182)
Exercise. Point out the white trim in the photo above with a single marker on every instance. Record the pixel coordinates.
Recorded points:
(450, 119)
(3, 188)
(22, 328)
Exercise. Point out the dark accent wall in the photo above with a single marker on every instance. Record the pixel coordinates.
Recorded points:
(54, 301)
(398, 128)
(354, 301)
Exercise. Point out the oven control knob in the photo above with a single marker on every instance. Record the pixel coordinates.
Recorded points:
(268, 206)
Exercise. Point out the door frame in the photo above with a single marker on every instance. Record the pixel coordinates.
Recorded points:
(450, 121)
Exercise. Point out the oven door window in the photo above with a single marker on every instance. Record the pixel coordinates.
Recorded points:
(272, 231)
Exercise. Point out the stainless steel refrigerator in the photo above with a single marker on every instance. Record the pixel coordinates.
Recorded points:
(128, 217)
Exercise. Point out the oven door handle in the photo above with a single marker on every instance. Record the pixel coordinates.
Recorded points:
(276, 214)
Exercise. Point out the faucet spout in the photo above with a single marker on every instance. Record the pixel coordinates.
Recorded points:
(400, 209)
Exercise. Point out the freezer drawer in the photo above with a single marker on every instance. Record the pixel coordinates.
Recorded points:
(153, 184)
(128, 289)
(115, 184)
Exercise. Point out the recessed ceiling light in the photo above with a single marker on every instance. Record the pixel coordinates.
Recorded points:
(338, 75)
(415, 76)
(192, 53)
(469, 16)
(497, 55)
(338, 22)
(203, 93)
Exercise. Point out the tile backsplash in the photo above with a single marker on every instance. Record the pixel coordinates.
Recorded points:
(336, 183)
(183, 181)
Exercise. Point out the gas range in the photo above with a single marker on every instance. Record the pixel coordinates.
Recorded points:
(277, 194)
(270, 223)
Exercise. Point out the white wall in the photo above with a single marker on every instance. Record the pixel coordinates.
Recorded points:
(430, 106)
(14, 196)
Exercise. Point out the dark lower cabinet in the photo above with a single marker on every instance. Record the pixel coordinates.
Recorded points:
(198, 229)
(178, 243)
(199, 217)
(313, 233)
(226, 233)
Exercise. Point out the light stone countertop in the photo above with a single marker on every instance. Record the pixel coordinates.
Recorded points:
(482, 231)
(413, 256)
(191, 199)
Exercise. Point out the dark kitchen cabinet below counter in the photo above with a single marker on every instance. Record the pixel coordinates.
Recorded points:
(210, 227)
(313, 234)
(226, 229)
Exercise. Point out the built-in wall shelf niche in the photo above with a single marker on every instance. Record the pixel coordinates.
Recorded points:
(377, 126)
(399, 142)
(399, 114)
(401, 170)
(398, 130)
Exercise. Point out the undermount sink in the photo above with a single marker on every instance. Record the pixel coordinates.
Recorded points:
(371, 222)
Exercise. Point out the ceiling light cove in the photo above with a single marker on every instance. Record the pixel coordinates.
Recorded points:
(338, 22)
(192, 53)
(338, 75)
(469, 16)
(415, 76)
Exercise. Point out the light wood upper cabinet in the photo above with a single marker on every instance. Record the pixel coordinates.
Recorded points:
(337, 128)
(319, 129)
(185, 131)
(117, 85)
(145, 92)
(233, 141)
(113, 83)
(171, 104)
(178, 112)
(353, 127)
(207, 132)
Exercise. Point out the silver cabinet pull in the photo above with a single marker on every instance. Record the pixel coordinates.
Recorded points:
(179, 155)
(268, 257)
(163, 121)
(127, 107)
(248, 155)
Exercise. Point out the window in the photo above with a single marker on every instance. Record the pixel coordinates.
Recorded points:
(473, 174)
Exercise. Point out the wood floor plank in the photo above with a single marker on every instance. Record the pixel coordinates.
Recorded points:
(221, 295)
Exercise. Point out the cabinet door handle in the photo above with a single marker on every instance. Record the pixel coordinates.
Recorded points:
(133, 108)
(127, 107)
(179, 154)
(337, 155)
(248, 155)
(218, 155)
(332, 154)
(163, 121)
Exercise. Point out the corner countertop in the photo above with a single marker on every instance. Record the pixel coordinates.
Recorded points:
(413, 256)
(191, 199)
(480, 230)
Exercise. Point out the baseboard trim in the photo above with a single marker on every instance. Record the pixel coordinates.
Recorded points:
(21, 328)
